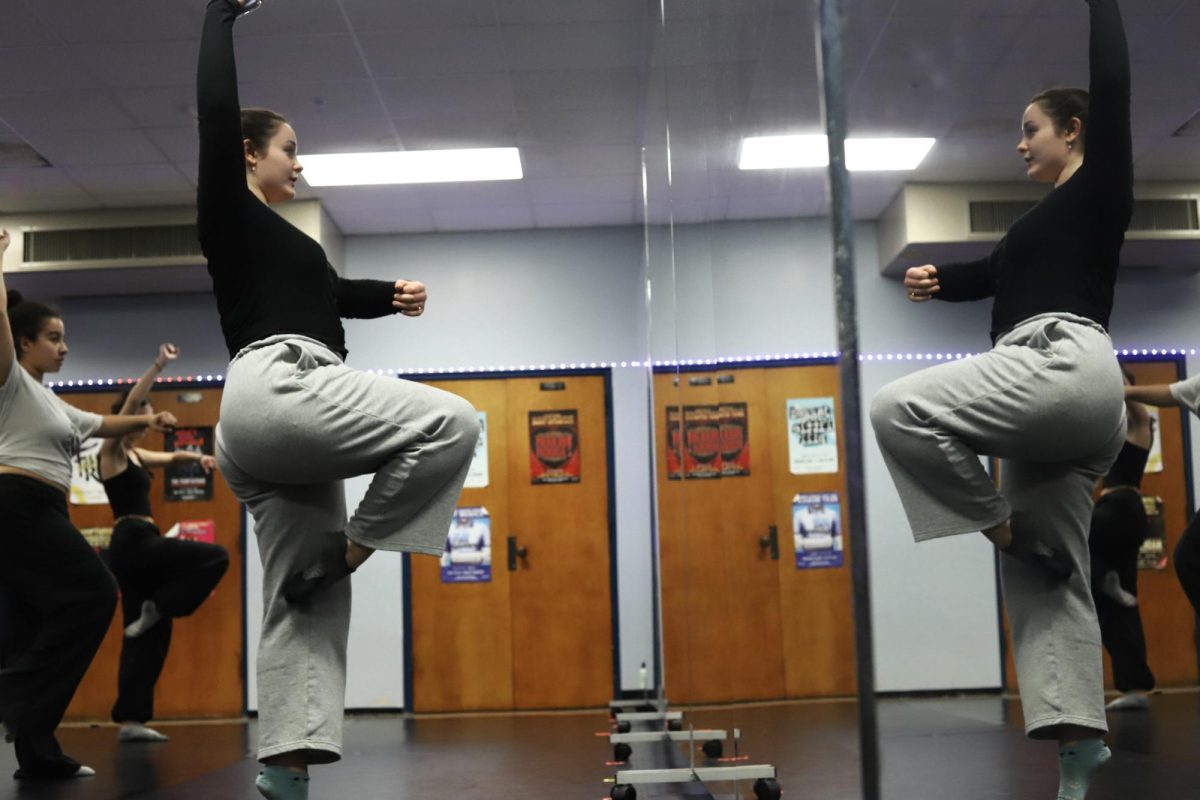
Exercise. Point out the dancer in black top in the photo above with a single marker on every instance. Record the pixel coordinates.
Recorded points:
(1046, 399)
(1119, 527)
(57, 597)
(160, 578)
(296, 421)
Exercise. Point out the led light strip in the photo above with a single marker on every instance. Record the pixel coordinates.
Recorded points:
(824, 355)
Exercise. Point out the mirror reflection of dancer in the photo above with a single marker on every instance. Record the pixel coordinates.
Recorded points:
(58, 597)
(1185, 393)
(1047, 399)
(1119, 527)
(296, 421)
(160, 578)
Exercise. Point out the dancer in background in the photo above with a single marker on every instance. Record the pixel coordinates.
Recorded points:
(1046, 399)
(160, 578)
(296, 421)
(1119, 527)
(58, 596)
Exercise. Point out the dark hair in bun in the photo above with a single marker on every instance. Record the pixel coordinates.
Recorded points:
(27, 318)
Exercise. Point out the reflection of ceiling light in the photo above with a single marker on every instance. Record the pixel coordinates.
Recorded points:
(413, 166)
(862, 155)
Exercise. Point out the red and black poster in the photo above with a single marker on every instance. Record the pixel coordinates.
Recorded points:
(735, 440)
(188, 481)
(554, 446)
(674, 443)
(702, 441)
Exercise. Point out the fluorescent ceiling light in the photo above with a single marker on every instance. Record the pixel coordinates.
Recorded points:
(862, 155)
(413, 166)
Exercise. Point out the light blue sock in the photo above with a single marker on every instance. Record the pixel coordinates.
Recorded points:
(281, 783)
(1077, 765)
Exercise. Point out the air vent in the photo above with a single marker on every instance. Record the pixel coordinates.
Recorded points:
(91, 245)
(997, 216)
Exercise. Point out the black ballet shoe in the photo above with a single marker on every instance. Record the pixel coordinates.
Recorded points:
(1028, 548)
(329, 568)
(244, 8)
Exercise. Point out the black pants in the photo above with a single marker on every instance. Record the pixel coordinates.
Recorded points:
(1119, 528)
(58, 601)
(177, 576)
(1187, 561)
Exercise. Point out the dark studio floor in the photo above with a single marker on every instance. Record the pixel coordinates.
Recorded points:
(933, 749)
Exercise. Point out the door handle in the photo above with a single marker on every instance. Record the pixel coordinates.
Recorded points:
(514, 553)
(771, 542)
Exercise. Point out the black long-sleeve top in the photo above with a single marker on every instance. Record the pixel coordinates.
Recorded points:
(268, 276)
(1063, 254)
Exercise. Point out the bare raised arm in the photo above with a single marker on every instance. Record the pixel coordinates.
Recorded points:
(8, 348)
(1152, 395)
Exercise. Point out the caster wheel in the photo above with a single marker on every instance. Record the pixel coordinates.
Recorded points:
(622, 751)
(624, 727)
(713, 748)
(675, 725)
(623, 791)
(767, 789)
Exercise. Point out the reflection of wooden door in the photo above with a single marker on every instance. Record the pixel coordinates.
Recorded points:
(539, 636)
(203, 673)
(1167, 617)
(738, 624)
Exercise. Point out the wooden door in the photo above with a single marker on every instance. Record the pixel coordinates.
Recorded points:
(562, 590)
(720, 587)
(462, 632)
(203, 676)
(817, 612)
(1167, 617)
(540, 635)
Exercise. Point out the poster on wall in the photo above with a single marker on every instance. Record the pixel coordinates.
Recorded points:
(701, 442)
(812, 436)
(1152, 555)
(188, 481)
(554, 446)
(817, 530)
(735, 440)
(194, 530)
(674, 443)
(98, 538)
(86, 488)
(1155, 462)
(468, 556)
(477, 474)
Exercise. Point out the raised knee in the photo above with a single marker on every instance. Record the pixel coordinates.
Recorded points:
(463, 420)
(885, 411)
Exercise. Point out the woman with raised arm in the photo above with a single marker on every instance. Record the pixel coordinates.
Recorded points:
(296, 421)
(1185, 393)
(1046, 399)
(58, 596)
(160, 578)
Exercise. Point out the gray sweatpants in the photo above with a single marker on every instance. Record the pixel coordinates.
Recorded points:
(295, 422)
(1048, 401)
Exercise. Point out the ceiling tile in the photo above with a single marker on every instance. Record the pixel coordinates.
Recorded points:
(70, 148)
(461, 94)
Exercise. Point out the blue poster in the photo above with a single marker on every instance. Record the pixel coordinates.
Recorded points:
(817, 530)
(468, 556)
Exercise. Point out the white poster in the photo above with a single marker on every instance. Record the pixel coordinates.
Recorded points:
(812, 435)
(468, 556)
(86, 488)
(817, 530)
(477, 476)
(1155, 462)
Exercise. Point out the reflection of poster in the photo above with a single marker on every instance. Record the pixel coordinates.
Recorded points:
(817, 530)
(735, 440)
(86, 488)
(1153, 552)
(812, 435)
(1155, 462)
(675, 443)
(188, 481)
(194, 530)
(468, 556)
(477, 475)
(554, 446)
(702, 441)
